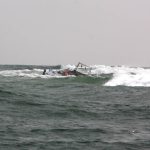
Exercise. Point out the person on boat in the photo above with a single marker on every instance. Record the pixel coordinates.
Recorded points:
(44, 72)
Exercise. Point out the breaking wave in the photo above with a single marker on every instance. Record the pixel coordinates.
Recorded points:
(125, 76)
(34, 73)
(121, 75)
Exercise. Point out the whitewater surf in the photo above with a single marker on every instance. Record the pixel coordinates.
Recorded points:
(120, 75)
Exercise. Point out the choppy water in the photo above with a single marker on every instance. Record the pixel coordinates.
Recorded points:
(45, 113)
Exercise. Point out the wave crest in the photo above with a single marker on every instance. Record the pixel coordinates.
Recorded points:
(122, 75)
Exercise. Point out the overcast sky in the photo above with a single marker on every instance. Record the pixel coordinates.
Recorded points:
(51, 32)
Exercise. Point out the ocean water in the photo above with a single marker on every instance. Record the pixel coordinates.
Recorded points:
(108, 112)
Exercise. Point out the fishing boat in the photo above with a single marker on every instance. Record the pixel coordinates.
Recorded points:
(80, 70)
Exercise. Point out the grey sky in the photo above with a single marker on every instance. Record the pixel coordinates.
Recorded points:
(110, 32)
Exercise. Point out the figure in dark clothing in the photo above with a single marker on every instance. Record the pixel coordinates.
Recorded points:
(44, 72)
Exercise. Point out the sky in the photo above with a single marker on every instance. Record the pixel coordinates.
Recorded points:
(51, 32)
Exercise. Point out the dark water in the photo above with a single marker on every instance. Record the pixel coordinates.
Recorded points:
(72, 114)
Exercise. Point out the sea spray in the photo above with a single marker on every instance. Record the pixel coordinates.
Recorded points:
(121, 75)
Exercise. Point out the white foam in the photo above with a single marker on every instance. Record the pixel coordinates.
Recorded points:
(35, 73)
(122, 75)
(125, 76)
(14, 72)
(70, 67)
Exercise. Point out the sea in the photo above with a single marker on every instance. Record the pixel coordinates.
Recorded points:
(107, 111)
